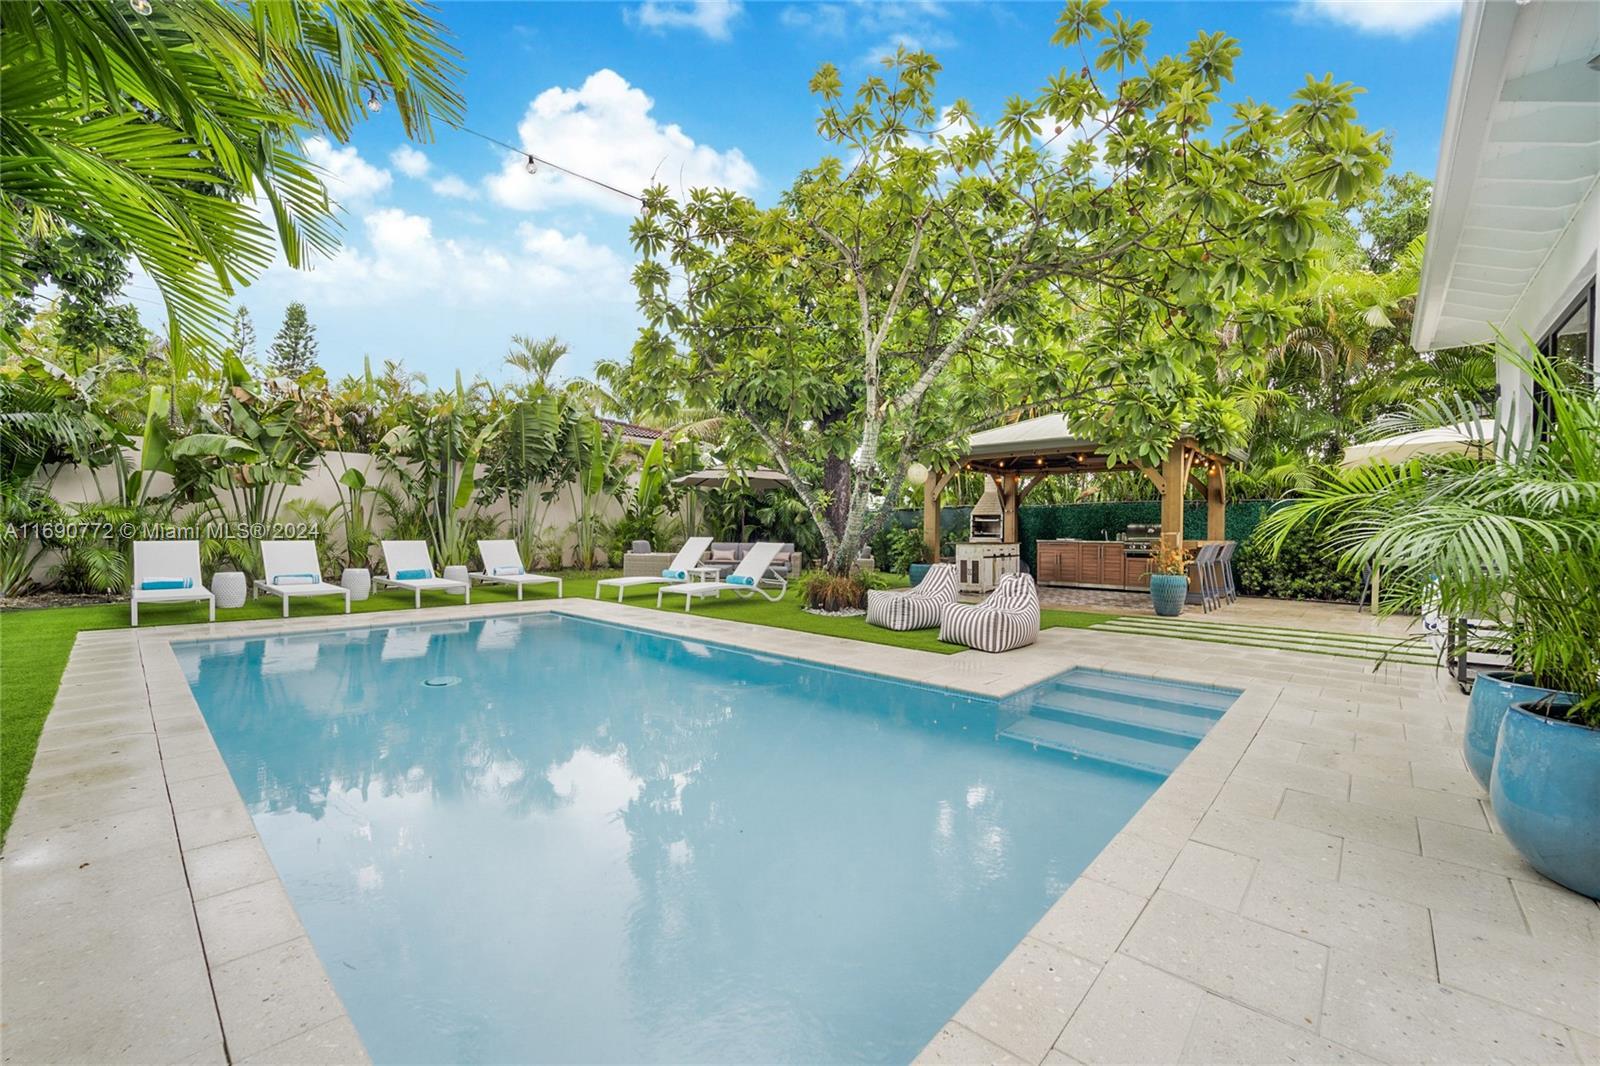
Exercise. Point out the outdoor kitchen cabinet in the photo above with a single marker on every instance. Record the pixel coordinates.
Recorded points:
(1090, 563)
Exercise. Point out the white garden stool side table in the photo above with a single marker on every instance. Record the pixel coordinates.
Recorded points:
(358, 579)
(456, 573)
(228, 588)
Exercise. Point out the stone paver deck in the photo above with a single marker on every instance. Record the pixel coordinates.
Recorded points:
(1320, 880)
(1245, 611)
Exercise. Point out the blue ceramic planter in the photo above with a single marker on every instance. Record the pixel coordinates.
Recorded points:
(1167, 593)
(919, 571)
(1546, 791)
(1492, 693)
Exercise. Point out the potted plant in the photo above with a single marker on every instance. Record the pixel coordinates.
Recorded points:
(1493, 693)
(1513, 540)
(1545, 787)
(908, 553)
(1169, 582)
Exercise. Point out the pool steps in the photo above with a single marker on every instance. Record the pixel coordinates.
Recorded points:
(1144, 724)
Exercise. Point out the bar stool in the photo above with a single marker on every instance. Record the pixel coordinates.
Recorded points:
(1225, 570)
(1205, 568)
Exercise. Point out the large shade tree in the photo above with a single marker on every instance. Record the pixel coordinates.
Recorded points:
(1109, 237)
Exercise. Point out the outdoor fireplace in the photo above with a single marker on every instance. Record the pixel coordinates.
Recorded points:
(987, 523)
(985, 557)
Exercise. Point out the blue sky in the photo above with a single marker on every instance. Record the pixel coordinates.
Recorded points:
(451, 247)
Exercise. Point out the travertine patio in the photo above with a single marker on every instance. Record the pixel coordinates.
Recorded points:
(1320, 880)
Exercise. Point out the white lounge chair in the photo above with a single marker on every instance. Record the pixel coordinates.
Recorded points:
(502, 565)
(168, 571)
(752, 570)
(290, 568)
(678, 570)
(410, 566)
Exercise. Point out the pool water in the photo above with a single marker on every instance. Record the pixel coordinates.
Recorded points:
(550, 839)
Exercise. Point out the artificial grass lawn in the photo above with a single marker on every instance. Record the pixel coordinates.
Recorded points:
(34, 644)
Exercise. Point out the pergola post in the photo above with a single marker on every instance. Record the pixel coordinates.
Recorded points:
(932, 487)
(1216, 502)
(1174, 479)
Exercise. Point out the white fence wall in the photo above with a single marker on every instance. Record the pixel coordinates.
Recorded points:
(71, 485)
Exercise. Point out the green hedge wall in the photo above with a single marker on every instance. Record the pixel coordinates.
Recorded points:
(1101, 521)
(1305, 570)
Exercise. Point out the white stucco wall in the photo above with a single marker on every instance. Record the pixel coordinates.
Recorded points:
(1568, 271)
(72, 485)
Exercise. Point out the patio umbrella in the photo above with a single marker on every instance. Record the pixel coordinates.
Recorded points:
(715, 477)
(1466, 438)
(759, 480)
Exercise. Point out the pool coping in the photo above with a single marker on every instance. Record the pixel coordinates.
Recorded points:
(241, 956)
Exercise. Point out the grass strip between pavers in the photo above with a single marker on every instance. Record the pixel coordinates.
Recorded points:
(1314, 638)
(1286, 632)
(1137, 628)
(1389, 648)
(35, 643)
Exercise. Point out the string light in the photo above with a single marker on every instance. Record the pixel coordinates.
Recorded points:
(140, 7)
(532, 163)
(373, 103)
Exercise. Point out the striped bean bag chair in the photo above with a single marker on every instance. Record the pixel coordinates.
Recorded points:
(916, 608)
(1008, 618)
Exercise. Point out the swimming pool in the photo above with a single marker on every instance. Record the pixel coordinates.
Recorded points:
(546, 838)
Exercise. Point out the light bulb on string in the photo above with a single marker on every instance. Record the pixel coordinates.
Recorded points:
(531, 166)
(373, 103)
(140, 7)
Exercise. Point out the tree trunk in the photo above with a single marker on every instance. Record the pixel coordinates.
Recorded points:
(836, 482)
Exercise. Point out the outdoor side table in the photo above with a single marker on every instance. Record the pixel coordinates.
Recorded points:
(228, 588)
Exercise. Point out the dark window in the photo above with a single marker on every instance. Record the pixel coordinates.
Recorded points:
(1570, 346)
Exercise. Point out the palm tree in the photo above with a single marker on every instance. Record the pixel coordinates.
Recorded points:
(161, 128)
(536, 359)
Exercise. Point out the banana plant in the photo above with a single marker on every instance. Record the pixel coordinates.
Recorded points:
(528, 459)
(596, 456)
(433, 453)
(240, 467)
(358, 531)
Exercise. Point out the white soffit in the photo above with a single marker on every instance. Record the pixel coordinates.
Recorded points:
(1520, 154)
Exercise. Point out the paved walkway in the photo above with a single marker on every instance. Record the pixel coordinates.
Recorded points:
(1320, 880)
(1247, 610)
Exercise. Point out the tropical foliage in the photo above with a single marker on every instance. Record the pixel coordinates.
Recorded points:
(172, 132)
(1512, 539)
(1108, 244)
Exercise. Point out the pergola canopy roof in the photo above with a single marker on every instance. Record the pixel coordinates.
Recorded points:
(1047, 444)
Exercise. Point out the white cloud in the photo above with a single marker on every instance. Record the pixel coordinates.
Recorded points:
(1397, 17)
(409, 161)
(407, 264)
(911, 42)
(710, 17)
(824, 20)
(888, 24)
(454, 188)
(349, 177)
(605, 130)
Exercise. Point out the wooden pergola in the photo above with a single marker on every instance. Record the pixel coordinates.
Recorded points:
(1021, 455)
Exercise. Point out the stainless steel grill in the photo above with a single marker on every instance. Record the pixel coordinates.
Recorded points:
(1142, 539)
